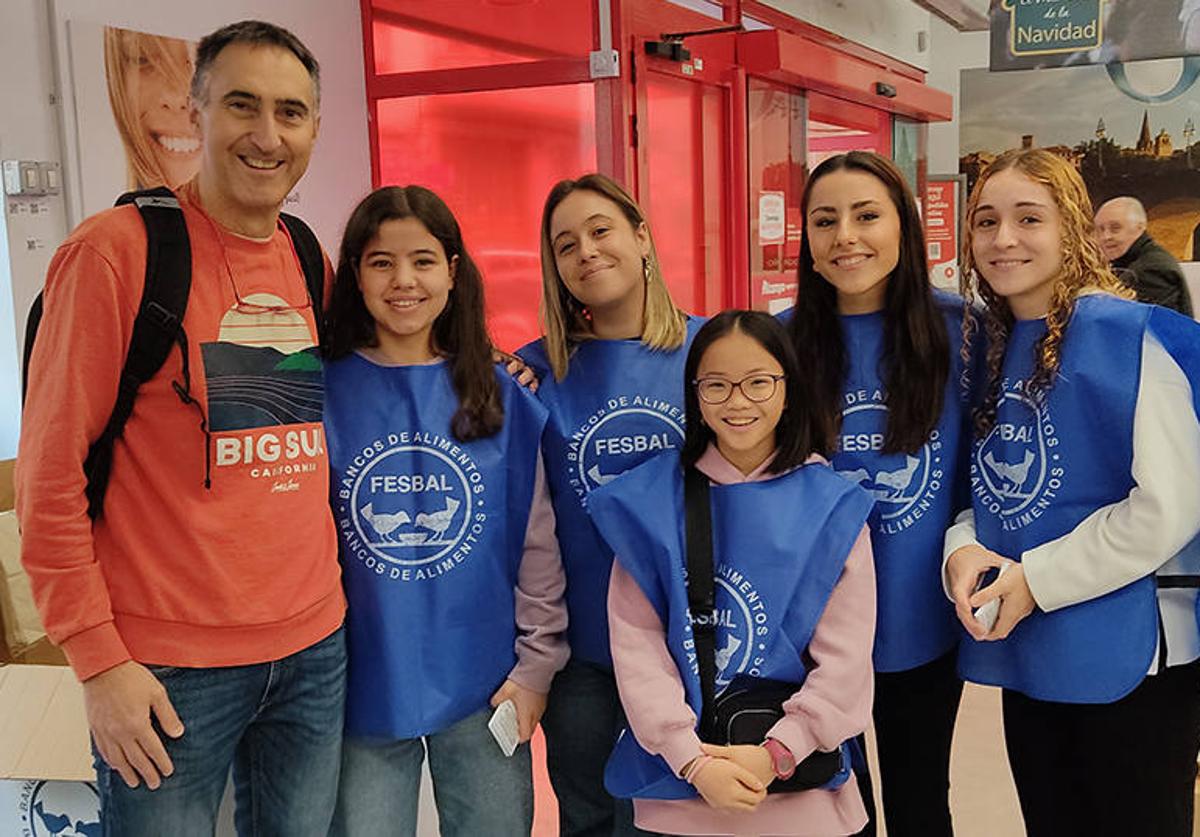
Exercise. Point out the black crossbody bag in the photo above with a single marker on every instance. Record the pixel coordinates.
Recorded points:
(745, 712)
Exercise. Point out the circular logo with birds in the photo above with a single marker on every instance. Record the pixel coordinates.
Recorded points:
(903, 484)
(742, 627)
(623, 435)
(1017, 468)
(415, 504)
(58, 809)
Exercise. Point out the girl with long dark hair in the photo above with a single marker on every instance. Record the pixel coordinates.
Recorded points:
(793, 599)
(452, 572)
(882, 348)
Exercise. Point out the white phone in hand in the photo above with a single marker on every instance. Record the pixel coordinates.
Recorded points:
(987, 614)
(504, 727)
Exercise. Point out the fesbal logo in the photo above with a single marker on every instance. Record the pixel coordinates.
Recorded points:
(905, 485)
(411, 506)
(1016, 471)
(624, 432)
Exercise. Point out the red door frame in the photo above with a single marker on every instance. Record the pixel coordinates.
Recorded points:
(617, 102)
(718, 71)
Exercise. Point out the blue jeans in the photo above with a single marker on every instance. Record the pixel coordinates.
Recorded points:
(582, 721)
(478, 791)
(279, 724)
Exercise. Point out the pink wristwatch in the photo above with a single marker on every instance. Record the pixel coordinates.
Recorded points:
(781, 758)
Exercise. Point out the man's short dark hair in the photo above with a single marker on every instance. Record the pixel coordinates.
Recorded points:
(255, 32)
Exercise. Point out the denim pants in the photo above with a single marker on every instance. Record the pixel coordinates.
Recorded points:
(279, 724)
(582, 721)
(478, 791)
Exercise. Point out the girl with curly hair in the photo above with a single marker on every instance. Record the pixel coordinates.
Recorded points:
(1085, 482)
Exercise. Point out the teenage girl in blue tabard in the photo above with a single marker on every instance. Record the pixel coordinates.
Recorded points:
(610, 365)
(452, 572)
(883, 347)
(793, 597)
(1086, 490)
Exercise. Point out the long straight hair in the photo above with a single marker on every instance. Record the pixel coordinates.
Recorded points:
(916, 354)
(565, 320)
(459, 331)
(801, 429)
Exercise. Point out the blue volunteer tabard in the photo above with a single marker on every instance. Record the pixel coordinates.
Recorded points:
(779, 547)
(1043, 469)
(916, 494)
(619, 405)
(432, 533)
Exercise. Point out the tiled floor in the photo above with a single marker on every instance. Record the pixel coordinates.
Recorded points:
(982, 796)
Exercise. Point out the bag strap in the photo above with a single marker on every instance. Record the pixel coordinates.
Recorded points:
(1177, 582)
(156, 329)
(701, 586)
(312, 263)
(32, 321)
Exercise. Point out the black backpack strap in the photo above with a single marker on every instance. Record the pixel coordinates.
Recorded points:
(31, 328)
(1177, 582)
(157, 327)
(312, 262)
(701, 586)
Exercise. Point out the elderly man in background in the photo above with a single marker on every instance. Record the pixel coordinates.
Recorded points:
(1152, 272)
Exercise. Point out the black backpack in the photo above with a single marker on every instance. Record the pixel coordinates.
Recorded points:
(159, 322)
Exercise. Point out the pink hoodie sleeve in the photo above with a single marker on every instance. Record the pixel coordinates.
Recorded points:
(834, 703)
(541, 610)
(647, 678)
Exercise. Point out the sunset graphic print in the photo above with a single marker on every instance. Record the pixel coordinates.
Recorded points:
(264, 370)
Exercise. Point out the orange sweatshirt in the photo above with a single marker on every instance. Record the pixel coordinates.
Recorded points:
(172, 572)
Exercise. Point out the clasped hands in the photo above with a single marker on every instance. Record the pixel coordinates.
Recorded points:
(963, 570)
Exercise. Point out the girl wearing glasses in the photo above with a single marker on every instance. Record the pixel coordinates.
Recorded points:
(452, 572)
(610, 365)
(1086, 494)
(882, 348)
(794, 593)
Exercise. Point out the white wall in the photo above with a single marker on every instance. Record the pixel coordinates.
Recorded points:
(952, 51)
(888, 26)
(338, 176)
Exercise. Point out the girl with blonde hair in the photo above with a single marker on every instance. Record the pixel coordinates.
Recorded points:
(611, 364)
(148, 78)
(1085, 484)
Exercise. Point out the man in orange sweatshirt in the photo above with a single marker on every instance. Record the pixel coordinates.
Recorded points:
(202, 608)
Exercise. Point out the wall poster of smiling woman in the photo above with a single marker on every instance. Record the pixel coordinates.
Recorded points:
(132, 128)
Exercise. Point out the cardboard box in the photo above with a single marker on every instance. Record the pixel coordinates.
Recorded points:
(22, 626)
(47, 784)
(23, 639)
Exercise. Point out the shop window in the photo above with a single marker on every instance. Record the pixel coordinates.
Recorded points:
(686, 137)
(493, 156)
(776, 120)
(836, 126)
(418, 35)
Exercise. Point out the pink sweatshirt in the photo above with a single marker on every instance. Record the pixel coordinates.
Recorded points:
(834, 703)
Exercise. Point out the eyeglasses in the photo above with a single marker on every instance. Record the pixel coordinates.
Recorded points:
(757, 388)
(255, 308)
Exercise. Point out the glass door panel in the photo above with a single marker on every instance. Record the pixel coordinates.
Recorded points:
(493, 156)
(776, 128)
(687, 141)
(836, 126)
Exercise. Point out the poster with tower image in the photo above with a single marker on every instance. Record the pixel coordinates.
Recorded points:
(1136, 135)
